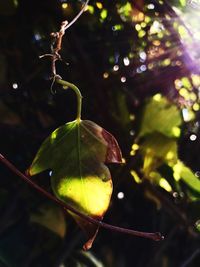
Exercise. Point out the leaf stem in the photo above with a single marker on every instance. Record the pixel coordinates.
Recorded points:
(154, 236)
(66, 85)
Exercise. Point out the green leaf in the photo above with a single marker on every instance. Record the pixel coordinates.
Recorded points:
(158, 149)
(183, 172)
(87, 259)
(159, 115)
(76, 153)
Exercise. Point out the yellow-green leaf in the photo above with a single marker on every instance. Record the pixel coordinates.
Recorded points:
(159, 115)
(76, 153)
(158, 149)
(183, 172)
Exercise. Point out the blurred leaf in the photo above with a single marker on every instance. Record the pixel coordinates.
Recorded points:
(125, 10)
(158, 149)
(83, 258)
(183, 2)
(51, 217)
(159, 115)
(186, 174)
(156, 178)
(76, 153)
(136, 177)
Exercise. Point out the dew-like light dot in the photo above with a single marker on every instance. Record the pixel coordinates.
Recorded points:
(120, 195)
(105, 75)
(64, 5)
(151, 6)
(37, 36)
(186, 115)
(143, 55)
(132, 133)
(138, 70)
(116, 68)
(123, 79)
(197, 224)
(175, 194)
(143, 67)
(197, 173)
(193, 137)
(15, 86)
(126, 61)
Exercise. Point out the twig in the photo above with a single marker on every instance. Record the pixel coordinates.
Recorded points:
(154, 236)
(77, 16)
(160, 251)
(57, 41)
(172, 209)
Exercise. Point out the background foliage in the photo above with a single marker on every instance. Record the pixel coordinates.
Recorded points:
(137, 64)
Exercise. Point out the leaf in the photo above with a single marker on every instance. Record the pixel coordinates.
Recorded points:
(88, 259)
(158, 149)
(51, 217)
(159, 115)
(183, 172)
(76, 153)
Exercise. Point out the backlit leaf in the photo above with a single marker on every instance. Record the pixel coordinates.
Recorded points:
(76, 153)
(159, 115)
(183, 172)
(158, 149)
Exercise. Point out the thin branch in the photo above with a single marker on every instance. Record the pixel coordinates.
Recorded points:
(77, 16)
(57, 40)
(154, 236)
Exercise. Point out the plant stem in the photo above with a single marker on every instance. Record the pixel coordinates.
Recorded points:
(154, 236)
(78, 15)
(66, 85)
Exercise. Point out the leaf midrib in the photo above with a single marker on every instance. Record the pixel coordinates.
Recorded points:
(80, 167)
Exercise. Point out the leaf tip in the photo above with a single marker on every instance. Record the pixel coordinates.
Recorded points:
(114, 154)
(88, 245)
